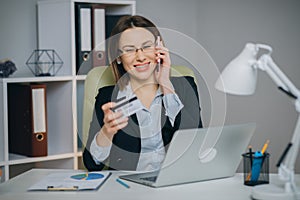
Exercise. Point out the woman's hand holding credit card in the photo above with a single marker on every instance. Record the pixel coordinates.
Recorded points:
(116, 117)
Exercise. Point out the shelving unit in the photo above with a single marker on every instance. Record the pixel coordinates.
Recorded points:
(56, 30)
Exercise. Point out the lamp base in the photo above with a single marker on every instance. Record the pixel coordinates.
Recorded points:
(273, 192)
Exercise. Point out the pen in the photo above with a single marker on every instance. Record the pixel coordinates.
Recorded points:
(250, 154)
(122, 183)
(251, 162)
(52, 188)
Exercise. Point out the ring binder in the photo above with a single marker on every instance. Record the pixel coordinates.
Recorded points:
(98, 35)
(27, 117)
(83, 35)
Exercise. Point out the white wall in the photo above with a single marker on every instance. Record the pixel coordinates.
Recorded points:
(222, 27)
(18, 32)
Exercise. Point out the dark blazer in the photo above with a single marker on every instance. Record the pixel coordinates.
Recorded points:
(125, 151)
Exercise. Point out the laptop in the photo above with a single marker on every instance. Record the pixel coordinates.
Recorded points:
(199, 155)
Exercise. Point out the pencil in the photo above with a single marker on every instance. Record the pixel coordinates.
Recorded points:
(263, 150)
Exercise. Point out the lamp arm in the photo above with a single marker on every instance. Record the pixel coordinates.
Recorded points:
(267, 64)
(286, 168)
(292, 155)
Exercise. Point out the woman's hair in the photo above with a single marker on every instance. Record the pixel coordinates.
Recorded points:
(124, 23)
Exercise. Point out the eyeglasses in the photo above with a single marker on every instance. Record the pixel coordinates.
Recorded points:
(129, 51)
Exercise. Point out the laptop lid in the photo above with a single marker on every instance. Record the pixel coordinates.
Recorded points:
(201, 154)
(204, 154)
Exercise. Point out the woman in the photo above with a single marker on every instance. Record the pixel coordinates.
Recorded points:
(141, 66)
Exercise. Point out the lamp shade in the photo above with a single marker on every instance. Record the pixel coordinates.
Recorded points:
(239, 76)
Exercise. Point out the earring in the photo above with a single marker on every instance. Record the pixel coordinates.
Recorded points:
(118, 61)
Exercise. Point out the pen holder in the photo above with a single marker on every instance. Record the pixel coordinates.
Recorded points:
(256, 168)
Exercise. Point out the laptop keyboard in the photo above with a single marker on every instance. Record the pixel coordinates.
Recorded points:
(151, 178)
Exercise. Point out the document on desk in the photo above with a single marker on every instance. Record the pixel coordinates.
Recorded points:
(71, 181)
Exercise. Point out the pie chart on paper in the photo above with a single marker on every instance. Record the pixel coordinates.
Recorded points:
(87, 176)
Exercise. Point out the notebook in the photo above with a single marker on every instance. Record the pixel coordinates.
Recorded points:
(198, 155)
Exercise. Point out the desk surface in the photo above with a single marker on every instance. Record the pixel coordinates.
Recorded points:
(232, 188)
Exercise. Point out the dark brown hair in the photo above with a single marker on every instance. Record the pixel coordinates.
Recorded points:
(124, 23)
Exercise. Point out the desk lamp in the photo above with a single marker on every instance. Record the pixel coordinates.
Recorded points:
(239, 78)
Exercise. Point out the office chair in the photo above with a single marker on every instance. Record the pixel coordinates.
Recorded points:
(102, 76)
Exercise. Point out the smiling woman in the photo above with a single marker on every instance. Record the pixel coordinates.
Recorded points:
(139, 64)
(120, 39)
(139, 142)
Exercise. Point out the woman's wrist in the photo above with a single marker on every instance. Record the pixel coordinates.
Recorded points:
(103, 139)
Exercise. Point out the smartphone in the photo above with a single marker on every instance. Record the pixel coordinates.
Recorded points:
(158, 61)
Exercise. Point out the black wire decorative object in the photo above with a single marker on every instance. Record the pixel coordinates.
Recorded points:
(44, 62)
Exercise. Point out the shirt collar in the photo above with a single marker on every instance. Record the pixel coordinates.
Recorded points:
(128, 93)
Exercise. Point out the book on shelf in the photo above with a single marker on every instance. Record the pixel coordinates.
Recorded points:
(27, 119)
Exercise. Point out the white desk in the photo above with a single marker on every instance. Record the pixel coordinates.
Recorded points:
(228, 188)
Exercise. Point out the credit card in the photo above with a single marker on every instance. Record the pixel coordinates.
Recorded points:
(128, 106)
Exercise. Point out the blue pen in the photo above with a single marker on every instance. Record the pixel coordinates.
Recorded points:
(256, 166)
(122, 183)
